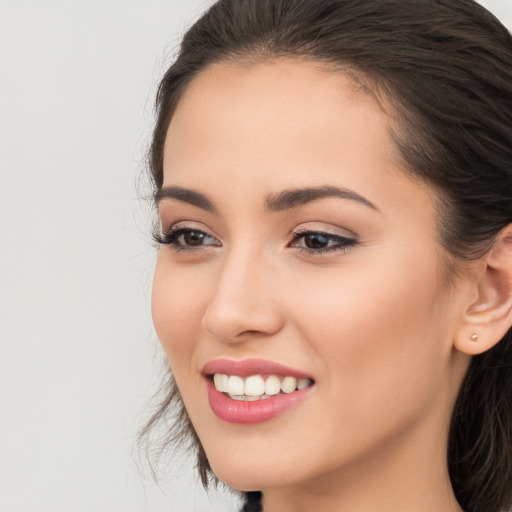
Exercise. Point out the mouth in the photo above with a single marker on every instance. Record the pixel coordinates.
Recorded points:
(257, 387)
(253, 391)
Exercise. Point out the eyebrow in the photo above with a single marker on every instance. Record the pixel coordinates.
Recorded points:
(285, 200)
(186, 195)
(298, 197)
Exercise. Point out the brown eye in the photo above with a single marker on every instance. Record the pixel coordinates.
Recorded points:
(187, 239)
(194, 238)
(315, 241)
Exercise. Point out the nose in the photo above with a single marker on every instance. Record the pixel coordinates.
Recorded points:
(244, 304)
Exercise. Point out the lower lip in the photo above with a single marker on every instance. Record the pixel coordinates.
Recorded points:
(258, 411)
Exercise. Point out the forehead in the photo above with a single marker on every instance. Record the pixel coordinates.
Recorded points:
(269, 126)
(281, 109)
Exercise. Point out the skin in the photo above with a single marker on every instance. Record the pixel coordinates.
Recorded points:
(373, 323)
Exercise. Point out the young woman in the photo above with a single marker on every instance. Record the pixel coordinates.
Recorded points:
(333, 180)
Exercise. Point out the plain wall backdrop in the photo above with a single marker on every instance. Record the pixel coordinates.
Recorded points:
(78, 356)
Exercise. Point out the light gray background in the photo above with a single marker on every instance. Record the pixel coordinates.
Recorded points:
(78, 356)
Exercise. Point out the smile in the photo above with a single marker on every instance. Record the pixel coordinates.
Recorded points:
(253, 390)
(257, 387)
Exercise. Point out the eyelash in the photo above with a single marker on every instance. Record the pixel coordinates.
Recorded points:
(171, 239)
(341, 243)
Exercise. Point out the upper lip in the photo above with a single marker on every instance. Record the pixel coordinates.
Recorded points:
(246, 367)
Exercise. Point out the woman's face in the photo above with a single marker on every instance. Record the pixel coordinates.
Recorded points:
(297, 247)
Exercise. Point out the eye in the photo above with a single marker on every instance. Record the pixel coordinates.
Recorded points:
(186, 239)
(320, 242)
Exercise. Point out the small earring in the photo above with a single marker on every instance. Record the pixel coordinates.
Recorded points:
(474, 337)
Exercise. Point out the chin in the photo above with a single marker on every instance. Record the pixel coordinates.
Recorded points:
(245, 475)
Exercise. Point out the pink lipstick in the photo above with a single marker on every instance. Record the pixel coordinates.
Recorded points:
(253, 390)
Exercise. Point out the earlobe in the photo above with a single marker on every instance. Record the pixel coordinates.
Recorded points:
(488, 317)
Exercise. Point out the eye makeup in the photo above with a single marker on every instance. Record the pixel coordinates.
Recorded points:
(310, 241)
(320, 242)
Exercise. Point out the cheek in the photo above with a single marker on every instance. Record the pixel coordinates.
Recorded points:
(378, 334)
(177, 309)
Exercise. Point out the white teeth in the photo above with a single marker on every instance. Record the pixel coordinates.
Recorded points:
(244, 398)
(221, 382)
(235, 385)
(272, 385)
(225, 383)
(303, 383)
(289, 384)
(217, 380)
(256, 387)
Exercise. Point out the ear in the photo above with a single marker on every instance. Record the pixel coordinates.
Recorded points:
(488, 316)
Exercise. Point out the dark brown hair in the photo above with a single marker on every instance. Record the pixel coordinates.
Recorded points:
(444, 70)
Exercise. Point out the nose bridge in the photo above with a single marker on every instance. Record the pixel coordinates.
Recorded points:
(243, 301)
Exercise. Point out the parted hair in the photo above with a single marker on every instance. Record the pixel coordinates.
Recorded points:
(442, 69)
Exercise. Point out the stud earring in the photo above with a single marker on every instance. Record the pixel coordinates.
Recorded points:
(474, 337)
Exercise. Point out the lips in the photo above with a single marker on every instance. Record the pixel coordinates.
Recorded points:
(234, 398)
(249, 367)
